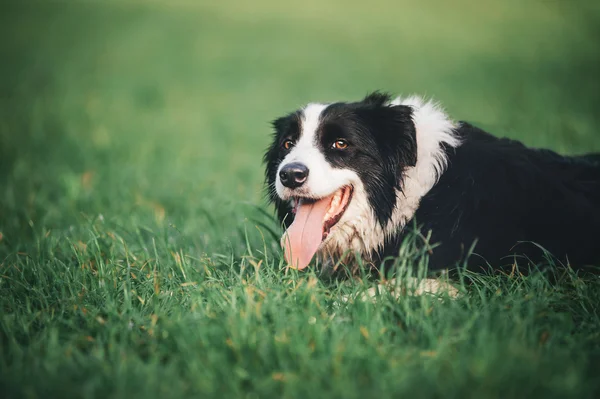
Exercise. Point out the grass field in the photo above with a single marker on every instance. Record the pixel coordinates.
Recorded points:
(139, 259)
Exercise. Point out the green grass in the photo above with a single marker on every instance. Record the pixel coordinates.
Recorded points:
(137, 255)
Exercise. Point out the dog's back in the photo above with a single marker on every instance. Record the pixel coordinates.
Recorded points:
(509, 199)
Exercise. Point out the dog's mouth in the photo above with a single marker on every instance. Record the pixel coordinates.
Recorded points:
(312, 224)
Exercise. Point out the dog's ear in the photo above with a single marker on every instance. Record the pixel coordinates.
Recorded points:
(393, 127)
(400, 146)
(394, 135)
(393, 130)
(377, 99)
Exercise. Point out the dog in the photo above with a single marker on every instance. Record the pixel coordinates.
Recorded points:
(351, 180)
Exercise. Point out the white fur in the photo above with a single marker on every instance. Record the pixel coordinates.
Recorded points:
(358, 230)
(433, 128)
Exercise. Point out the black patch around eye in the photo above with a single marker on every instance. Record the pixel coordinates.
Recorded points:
(332, 132)
(285, 128)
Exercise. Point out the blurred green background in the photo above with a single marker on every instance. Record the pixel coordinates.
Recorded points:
(131, 138)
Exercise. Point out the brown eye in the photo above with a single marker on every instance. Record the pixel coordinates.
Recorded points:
(287, 144)
(340, 144)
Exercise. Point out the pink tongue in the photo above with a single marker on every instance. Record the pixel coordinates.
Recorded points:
(303, 237)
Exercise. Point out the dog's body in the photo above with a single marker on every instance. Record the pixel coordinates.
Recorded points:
(355, 177)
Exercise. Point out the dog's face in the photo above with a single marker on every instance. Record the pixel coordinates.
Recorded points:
(333, 172)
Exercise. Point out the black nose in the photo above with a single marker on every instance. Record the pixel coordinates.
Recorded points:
(293, 175)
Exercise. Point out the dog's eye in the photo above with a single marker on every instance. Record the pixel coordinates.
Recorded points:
(287, 144)
(340, 144)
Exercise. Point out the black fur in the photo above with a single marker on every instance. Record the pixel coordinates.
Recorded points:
(510, 200)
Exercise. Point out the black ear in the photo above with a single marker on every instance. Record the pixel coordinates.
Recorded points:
(393, 132)
(400, 146)
(393, 127)
(377, 99)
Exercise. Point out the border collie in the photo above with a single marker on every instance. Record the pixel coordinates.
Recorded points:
(350, 179)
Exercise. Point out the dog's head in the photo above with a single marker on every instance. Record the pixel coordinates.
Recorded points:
(334, 172)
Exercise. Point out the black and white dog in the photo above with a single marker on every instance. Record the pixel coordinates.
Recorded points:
(352, 178)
